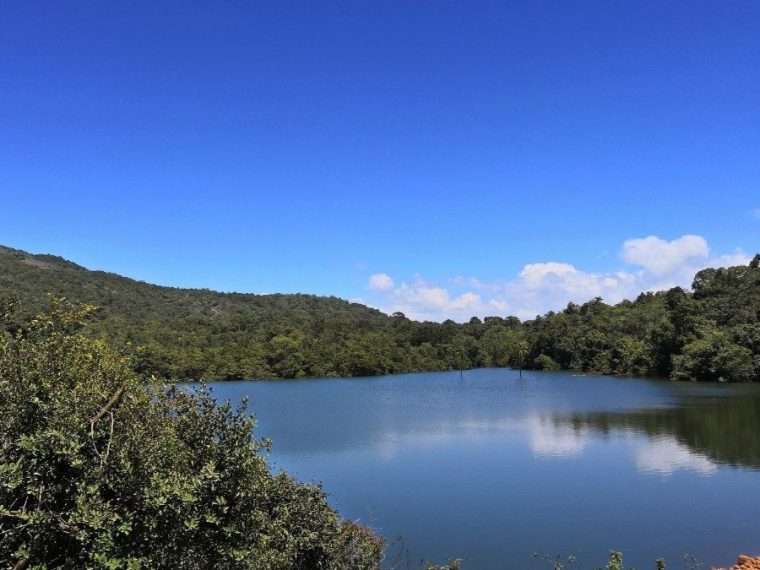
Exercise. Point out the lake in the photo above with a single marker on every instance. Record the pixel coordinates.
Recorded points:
(492, 468)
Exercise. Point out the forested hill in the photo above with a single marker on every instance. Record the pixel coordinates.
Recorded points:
(710, 334)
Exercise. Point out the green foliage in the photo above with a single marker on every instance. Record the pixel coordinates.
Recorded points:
(543, 362)
(714, 357)
(101, 469)
(708, 335)
(615, 561)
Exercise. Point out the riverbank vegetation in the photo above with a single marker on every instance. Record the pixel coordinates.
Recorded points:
(711, 333)
(102, 469)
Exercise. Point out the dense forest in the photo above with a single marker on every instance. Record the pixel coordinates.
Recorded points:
(711, 333)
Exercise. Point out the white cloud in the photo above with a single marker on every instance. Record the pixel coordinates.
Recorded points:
(380, 282)
(537, 273)
(549, 286)
(657, 264)
(730, 259)
(660, 257)
(421, 300)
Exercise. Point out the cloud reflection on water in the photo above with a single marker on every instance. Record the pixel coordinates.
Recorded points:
(664, 455)
(547, 438)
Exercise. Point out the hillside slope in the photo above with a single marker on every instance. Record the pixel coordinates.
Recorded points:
(712, 334)
(193, 332)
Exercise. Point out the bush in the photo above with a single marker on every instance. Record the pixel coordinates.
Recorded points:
(544, 362)
(99, 469)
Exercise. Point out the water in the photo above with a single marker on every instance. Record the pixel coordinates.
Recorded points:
(492, 468)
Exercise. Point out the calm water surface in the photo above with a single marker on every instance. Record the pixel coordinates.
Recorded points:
(492, 468)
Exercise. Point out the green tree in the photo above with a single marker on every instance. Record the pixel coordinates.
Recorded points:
(99, 469)
(714, 357)
(544, 362)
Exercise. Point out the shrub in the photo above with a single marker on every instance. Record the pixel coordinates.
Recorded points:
(100, 469)
(544, 362)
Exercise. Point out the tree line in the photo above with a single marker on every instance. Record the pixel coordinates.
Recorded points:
(711, 333)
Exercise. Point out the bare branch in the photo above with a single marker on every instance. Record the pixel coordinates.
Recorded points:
(105, 409)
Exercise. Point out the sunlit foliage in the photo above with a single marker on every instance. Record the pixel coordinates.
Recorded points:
(100, 468)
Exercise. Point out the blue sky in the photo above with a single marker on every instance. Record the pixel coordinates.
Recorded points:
(470, 152)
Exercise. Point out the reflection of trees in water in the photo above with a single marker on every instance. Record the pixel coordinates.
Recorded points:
(726, 430)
